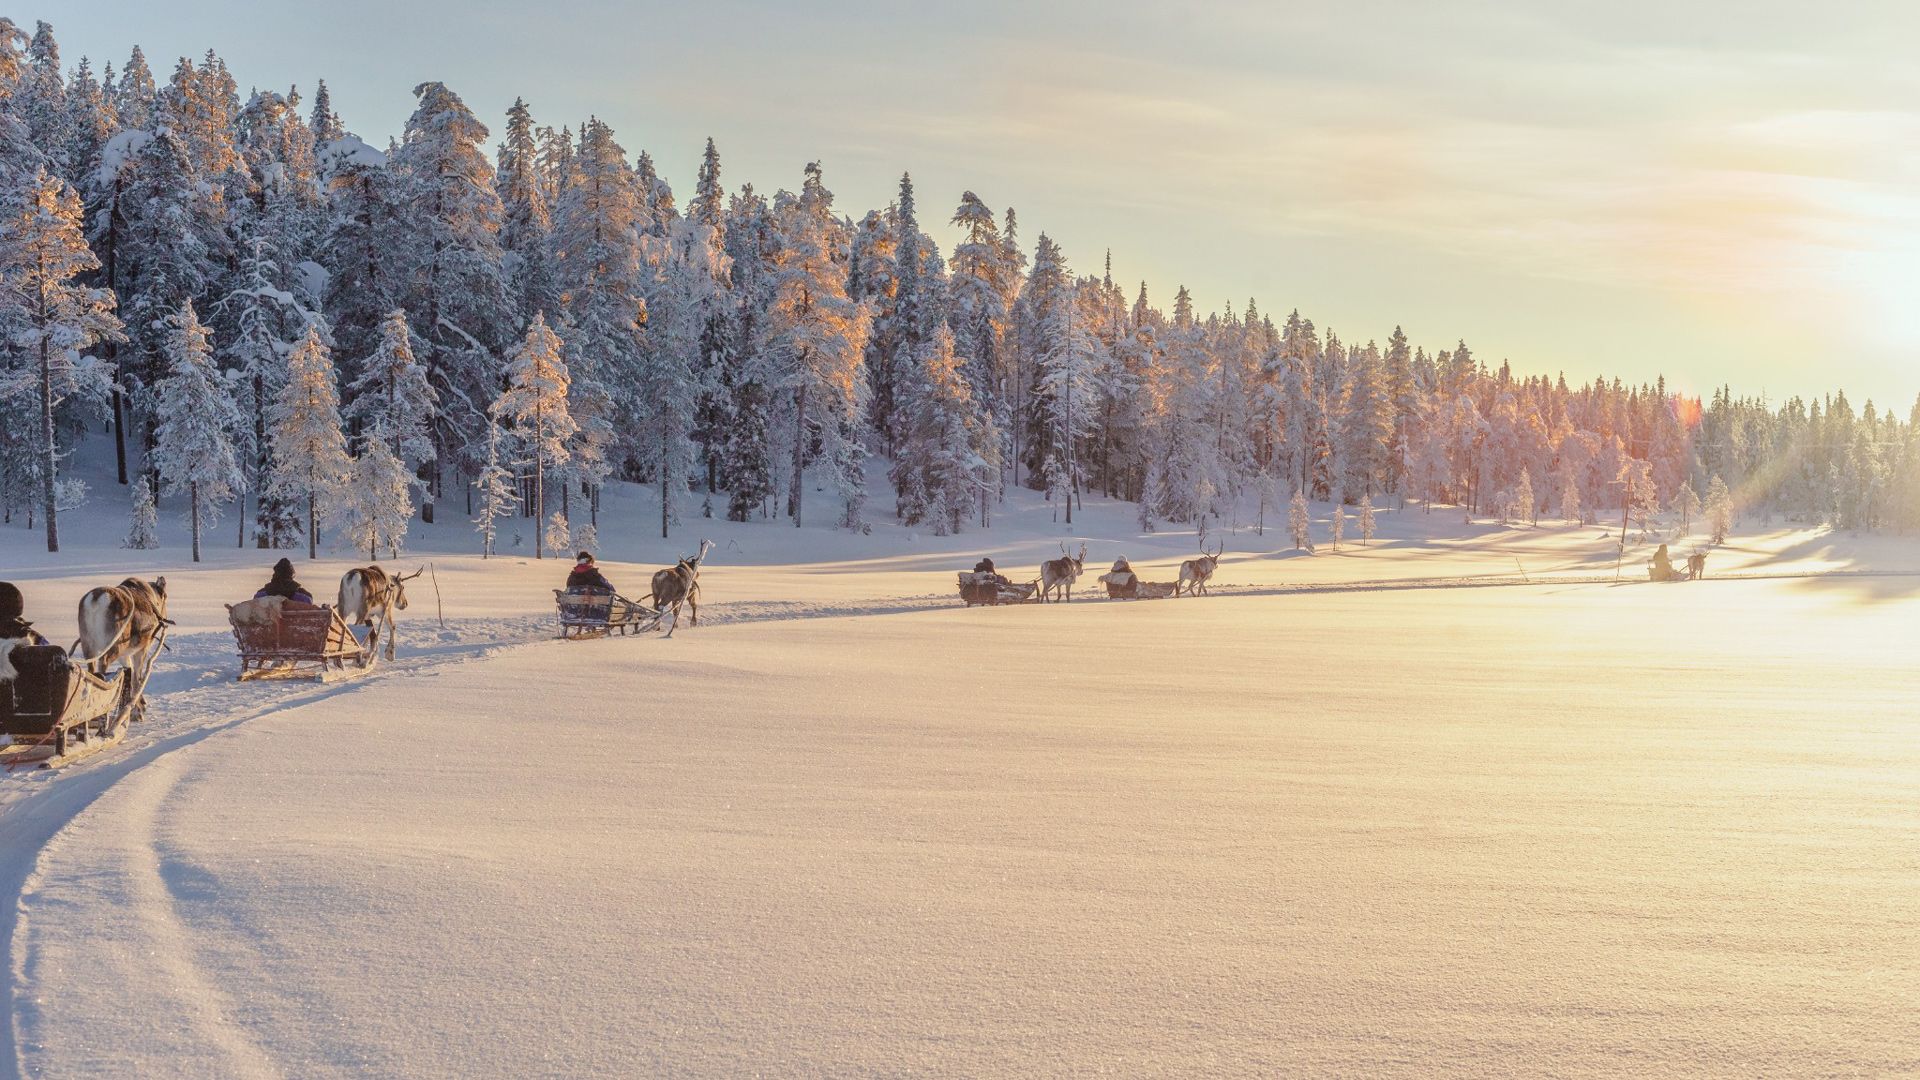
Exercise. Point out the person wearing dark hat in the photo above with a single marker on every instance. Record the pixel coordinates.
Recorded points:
(12, 626)
(586, 576)
(283, 584)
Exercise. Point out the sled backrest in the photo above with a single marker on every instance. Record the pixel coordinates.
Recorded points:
(39, 687)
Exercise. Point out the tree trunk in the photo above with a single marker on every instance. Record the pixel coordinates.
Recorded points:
(46, 433)
(799, 450)
(313, 525)
(665, 501)
(193, 510)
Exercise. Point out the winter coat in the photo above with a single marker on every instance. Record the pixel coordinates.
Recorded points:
(587, 576)
(283, 584)
(12, 625)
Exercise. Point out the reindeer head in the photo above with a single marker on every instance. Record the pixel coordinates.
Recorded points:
(400, 588)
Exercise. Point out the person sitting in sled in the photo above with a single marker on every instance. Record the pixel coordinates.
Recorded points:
(283, 585)
(1662, 565)
(586, 576)
(985, 566)
(1120, 581)
(13, 628)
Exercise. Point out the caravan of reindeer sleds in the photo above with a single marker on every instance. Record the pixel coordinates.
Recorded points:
(984, 585)
(60, 704)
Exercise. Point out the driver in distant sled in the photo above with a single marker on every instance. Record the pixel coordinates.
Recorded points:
(985, 566)
(586, 576)
(283, 585)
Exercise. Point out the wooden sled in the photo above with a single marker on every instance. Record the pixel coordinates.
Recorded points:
(599, 614)
(1135, 589)
(985, 589)
(56, 712)
(307, 643)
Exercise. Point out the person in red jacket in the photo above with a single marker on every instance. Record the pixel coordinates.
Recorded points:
(586, 576)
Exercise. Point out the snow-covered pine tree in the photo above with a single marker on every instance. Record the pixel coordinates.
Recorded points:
(1570, 501)
(143, 529)
(310, 460)
(392, 399)
(527, 221)
(682, 280)
(979, 286)
(1339, 518)
(51, 319)
(1366, 522)
(557, 534)
(194, 443)
(1523, 499)
(1065, 357)
(596, 237)
(498, 491)
(1719, 510)
(323, 121)
(534, 404)
(377, 503)
(450, 254)
(817, 334)
(1299, 522)
(267, 323)
(938, 458)
(1687, 501)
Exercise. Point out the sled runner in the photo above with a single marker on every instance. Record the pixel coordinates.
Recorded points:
(304, 642)
(986, 589)
(597, 614)
(57, 712)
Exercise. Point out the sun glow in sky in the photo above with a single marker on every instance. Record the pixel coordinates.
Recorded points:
(1726, 192)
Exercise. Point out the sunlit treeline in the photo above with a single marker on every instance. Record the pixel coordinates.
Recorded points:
(260, 308)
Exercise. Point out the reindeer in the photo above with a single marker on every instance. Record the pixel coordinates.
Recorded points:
(679, 584)
(1060, 574)
(125, 624)
(1195, 572)
(369, 596)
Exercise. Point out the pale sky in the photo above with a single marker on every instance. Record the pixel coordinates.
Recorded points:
(1726, 192)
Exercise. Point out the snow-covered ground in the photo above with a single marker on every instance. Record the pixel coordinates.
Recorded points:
(1311, 825)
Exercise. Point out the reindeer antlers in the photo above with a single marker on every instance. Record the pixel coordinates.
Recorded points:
(410, 577)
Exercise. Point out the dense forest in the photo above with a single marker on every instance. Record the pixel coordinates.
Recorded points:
(264, 311)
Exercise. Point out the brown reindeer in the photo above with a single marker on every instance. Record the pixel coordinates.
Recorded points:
(369, 596)
(679, 584)
(1058, 575)
(1195, 572)
(125, 624)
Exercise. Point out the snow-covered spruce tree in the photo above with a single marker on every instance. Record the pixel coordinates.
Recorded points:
(596, 237)
(165, 255)
(817, 334)
(1298, 521)
(1570, 502)
(534, 405)
(362, 245)
(377, 504)
(263, 320)
(50, 319)
(527, 221)
(310, 460)
(450, 256)
(979, 285)
(557, 535)
(194, 442)
(143, 528)
(1523, 499)
(938, 458)
(682, 282)
(1064, 353)
(1719, 510)
(392, 399)
(1687, 501)
(323, 121)
(499, 493)
(1366, 522)
(1339, 518)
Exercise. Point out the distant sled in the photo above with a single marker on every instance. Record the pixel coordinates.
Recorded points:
(587, 613)
(297, 641)
(989, 589)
